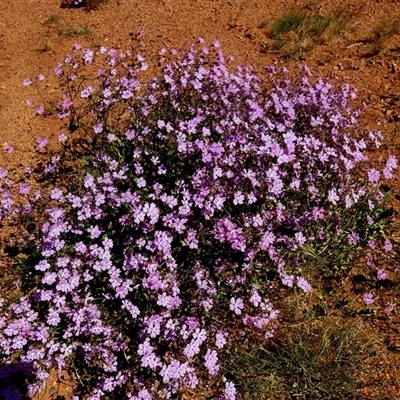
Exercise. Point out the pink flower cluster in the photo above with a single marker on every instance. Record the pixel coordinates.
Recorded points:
(202, 192)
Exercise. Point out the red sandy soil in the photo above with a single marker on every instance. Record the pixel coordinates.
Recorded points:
(32, 42)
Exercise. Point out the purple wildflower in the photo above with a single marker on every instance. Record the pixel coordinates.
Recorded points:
(9, 149)
(24, 188)
(333, 196)
(87, 92)
(62, 138)
(389, 307)
(236, 305)
(381, 274)
(211, 362)
(39, 110)
(98, 128)
(267, 240)
(353, 238)
(303, 284)
(220, 340)
(230, 391)
(368, 298)
(42, 142)
(373, 176)
(388, 246)
(3, 173)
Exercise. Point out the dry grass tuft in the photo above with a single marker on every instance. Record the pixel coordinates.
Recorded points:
(300, 30)
(381, 33)
(94, 4)
(76, 30)
(314, 355)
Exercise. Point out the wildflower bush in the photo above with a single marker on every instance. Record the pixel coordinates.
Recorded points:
(74, 3)
(90, 4)
(181, 203)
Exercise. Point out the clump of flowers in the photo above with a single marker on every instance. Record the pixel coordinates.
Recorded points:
(203, 193)
(74, 3)
(91, 4)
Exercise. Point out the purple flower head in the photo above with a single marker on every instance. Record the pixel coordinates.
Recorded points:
(230, 391)
(353, 238)
(9, 149)
(303, 284)
(267, 240)
(373, 176)
(236, 305)
(368, 299)
(24, 188)
(87, 92)
(42, 142)
(220, 340)
(211, 362)
(39, 110)
(389, 307)
(62, 138)
(87, 56)
(98, 128)
(192, 349)
(388, 246)
(333, 196)
(58, 70)
(239, 198)
(255, 298)
(381, 274)
(56, 194)
(3, 173)
(216, 43)
(391, 163)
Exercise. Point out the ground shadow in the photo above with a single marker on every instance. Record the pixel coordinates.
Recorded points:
(14, 380)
